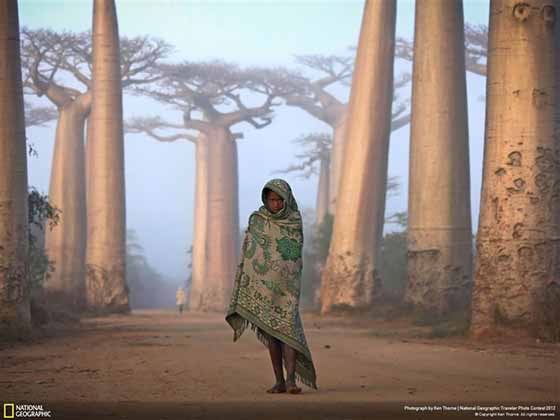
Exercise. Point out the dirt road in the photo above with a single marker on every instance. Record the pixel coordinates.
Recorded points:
(157, 365)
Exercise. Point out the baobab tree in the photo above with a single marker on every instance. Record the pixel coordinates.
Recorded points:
(106, 288)
(66, 244)
(439, 214)
(323, 105)
(153, 127)
(49, 58)
(350, 276)
(210, 97)
(14, 293)
(517, 242)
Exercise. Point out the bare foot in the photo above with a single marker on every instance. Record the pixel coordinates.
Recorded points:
(278, 388)
(292, 388)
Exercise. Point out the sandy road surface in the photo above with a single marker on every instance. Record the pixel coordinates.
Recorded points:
(157, 365)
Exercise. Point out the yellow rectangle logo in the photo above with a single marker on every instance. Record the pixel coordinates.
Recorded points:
(9, 410)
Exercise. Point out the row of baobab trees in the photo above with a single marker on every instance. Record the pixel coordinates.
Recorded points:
(516, 279)
(86, 183)
(187, 87)
(516, 276)
(106, 250)
(89, 262)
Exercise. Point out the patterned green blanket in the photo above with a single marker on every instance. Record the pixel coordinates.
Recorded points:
(267, 285)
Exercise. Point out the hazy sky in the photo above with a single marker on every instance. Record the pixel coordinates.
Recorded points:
(160, 176)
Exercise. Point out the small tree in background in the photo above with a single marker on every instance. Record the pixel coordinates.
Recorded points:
(394, 259)
(41, 213)
(147, 287)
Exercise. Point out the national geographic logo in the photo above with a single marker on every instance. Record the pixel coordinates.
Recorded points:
(9, 411)
(18, 411)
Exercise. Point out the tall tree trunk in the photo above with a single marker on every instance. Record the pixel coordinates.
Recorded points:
(322, 206)
(106, 288)
(223, 219)
(200, 242)
(350, 275)
(14, 295)
(88, 155)
(65, 244)
(235, 209)
(439, 213)
(518, 248)
(337, 156)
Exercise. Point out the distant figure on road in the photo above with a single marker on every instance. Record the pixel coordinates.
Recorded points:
(181, 299)
(267, 287)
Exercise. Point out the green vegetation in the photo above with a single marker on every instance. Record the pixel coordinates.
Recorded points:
(41, 213)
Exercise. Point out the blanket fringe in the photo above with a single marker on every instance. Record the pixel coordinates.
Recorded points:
(263, 338)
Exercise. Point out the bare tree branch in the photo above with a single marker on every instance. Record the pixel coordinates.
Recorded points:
(38, 115)
(317, 101)
(393, 185)
(49, 56)
(308, 104)
(312, 96)
(199, 125)
(150, 125)
(400, 122)
(476, 48)
(318, 148)
(218, 90)
(337, 68)
(404, 48)
(140, 56)
(398, 218)
(403, 80)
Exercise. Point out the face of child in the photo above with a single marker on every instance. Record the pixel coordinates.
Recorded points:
(274, 202)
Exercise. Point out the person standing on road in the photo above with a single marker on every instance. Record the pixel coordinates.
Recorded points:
(181, 298)
(267, 287)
